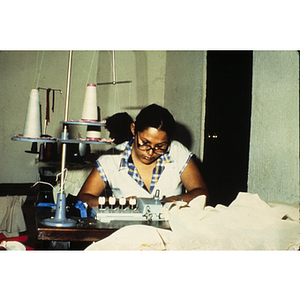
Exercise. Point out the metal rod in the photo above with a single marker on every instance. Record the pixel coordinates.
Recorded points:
(60, 219)
(64, 146)
(45, 127)
(58, 90)
(116, 82)
(114, 67)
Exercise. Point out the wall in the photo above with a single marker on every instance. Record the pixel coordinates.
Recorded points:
(274, 140)
(145, 70)
(23, 70)
(20, 72)
(185, 92)
(175, 79)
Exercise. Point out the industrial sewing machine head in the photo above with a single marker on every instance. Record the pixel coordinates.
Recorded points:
(135, 209)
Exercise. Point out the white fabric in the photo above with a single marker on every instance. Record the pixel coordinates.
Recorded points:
(74, 181)
(248, 223)
(11, 215)
(13, 245)
(123, 185)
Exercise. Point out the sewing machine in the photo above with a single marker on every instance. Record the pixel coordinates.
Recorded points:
(136, 209)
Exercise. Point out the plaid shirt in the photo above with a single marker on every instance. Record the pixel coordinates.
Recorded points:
(126, 162)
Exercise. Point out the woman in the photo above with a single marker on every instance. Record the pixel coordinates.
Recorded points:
(151, 161)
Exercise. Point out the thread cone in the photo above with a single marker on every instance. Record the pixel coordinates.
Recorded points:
(32, 127)
(89, 112)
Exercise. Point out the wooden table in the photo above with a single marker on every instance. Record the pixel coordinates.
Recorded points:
(86, 229)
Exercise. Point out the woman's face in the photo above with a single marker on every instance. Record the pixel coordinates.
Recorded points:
(152, 138)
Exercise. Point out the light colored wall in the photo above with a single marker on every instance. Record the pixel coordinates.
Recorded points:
(21, 71)
(175, 79)
(274, 141)
(185, 93)
(145, 70)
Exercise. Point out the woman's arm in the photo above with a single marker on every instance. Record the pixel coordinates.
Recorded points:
(92, 188)
(193, 182)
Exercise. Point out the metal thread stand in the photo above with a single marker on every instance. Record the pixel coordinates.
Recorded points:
(60, 219)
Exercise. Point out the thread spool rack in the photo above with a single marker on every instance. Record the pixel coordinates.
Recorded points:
(60, 220)
(85, 141)
(65, 140)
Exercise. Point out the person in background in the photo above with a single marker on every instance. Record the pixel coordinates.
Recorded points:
(119, 127)
(151, 161)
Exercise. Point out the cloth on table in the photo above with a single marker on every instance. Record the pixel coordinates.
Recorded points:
(138, 237)
(11, 215)
(74, 181)
(248, 223)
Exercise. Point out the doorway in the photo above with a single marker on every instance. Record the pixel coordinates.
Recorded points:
(227, 124)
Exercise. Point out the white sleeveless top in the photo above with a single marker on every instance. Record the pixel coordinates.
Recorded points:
(123, 185)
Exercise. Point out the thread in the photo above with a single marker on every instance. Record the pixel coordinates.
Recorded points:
(91, 67)
(93, 133)
(89, 112)
(38, 69)
(32, 127)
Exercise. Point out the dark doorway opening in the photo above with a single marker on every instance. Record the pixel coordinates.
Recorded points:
(227, 124)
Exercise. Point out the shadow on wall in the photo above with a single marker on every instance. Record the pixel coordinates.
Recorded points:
(183, 135)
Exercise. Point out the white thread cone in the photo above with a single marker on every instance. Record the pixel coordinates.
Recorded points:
(89, 112)
(93, 133)
(32, 127)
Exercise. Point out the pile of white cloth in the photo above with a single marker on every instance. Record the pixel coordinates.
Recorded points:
(248, 223)
(11, 215)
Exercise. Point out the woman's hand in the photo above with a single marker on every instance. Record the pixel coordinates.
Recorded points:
(193, 182)
(92, 189)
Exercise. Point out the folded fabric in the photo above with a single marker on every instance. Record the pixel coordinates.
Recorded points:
(11, 215)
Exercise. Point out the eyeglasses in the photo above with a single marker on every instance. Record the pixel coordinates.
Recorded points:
(156, 150)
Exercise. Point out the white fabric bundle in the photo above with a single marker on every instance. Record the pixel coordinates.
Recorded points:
(248, 223)
(11, 215)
